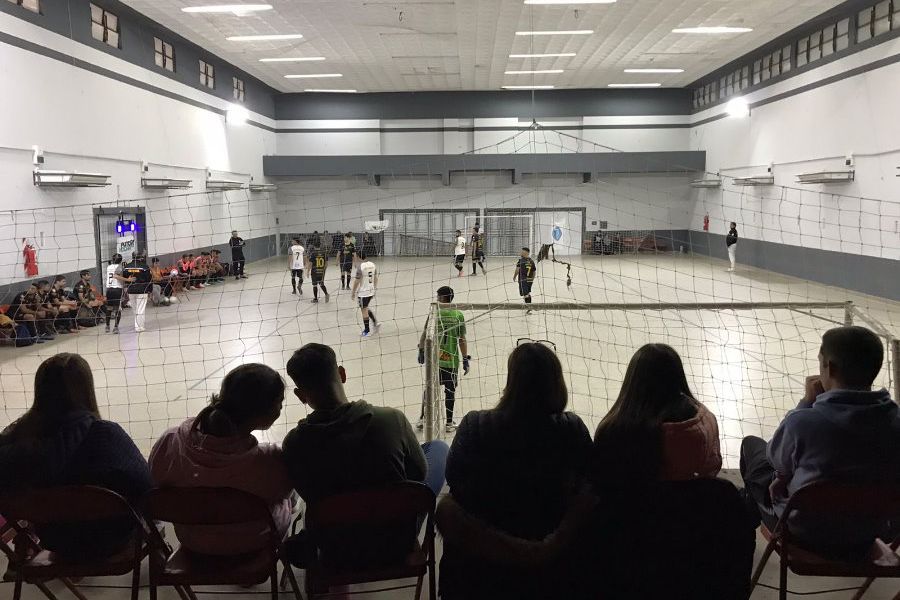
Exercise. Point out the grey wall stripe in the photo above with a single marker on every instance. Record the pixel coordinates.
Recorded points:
(76, 62)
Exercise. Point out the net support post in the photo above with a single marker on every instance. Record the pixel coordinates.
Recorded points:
(895, 358)
(428, 414)
(848, 314)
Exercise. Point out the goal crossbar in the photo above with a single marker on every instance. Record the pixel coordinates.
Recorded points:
(644, 305)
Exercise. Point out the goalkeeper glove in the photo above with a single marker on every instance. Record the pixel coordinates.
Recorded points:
(421, 356)
(466, 365)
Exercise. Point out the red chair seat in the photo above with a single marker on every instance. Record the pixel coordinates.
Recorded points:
(187, 568)
(881, 561)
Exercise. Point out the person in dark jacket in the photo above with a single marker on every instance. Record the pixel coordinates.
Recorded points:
(237, 255)
(345, 446)
(842, 430)
(515, 467)
(62, 440)
(731, 241)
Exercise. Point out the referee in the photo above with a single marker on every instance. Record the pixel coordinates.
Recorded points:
(138, 273)
(237, 255)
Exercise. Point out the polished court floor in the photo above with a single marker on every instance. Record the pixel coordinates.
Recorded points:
(746, 364)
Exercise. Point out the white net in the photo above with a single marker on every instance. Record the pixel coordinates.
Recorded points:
(631, 238)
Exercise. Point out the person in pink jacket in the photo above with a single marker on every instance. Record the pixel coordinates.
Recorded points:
(217, 449)
(656, 430)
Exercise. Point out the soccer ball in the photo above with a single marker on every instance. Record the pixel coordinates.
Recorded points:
(174, 273)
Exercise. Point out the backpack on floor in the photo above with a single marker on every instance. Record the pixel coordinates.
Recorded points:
(23, 336)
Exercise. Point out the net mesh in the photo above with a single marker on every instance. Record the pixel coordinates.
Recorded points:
(632, 238)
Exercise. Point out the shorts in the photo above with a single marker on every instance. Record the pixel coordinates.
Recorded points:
(347, 267)
(478, 256)
(317, 277)
(114, 297)
(459, 259)
(297, 273)
(525, 288)
(364, 301)
(448, 377)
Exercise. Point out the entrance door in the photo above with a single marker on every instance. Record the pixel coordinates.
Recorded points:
(108, 241)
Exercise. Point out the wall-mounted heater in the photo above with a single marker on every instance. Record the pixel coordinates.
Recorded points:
(221, 185)
(165, 183)
(707, 182)
(827, 177)
(68, 179)
(257, 188)
(767, 179)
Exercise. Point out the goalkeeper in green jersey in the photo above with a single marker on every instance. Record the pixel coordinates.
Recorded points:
(452, 349)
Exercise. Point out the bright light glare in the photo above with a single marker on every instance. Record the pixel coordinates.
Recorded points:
(713, 30)
(264, 38)
(236, 115)
(293, 59)
(737, 108)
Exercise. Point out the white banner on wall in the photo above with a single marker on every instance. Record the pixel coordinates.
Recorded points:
(126, 245)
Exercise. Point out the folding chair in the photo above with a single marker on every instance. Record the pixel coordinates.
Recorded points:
(835, 501)
(401, 505)
(219, 507)
(66, 505)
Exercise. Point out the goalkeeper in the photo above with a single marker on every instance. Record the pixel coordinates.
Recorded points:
(451, 339)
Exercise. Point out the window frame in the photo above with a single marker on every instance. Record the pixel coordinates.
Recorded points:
(161, 58)
(238, 89)
(207, 75)
(38, 9)
(103, 23)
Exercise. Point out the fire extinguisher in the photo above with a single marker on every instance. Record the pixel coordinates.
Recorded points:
(706, 223)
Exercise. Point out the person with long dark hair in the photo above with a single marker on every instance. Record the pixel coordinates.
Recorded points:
(62, 440)
(656, 430)
(516, 467)
(217, 448)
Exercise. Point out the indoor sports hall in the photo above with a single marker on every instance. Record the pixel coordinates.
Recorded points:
(190, 188)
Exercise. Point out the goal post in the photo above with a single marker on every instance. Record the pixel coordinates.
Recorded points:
(504, 234)
(735, 354)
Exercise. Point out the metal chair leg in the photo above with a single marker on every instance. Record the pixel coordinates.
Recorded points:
(294, 586)
(73, 588)
(45, 590)
(419, 587)
(767, 553)
(782, 578)
(17, 590)
(863, 589)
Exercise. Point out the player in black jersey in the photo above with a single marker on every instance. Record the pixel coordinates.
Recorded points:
(345, 255)
(524, 274)
(318, 262)
(477, 251)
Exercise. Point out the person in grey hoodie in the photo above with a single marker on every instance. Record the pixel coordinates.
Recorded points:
(842, 431)
(345, 446)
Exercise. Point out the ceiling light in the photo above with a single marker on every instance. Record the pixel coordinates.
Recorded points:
(548, 55)
(569, 1)
(236, 9)
(312, 75)
(654, 70)
(264, 38)
(332, 91)
(634, 85)
(527, 87)
(535, 72)
(293, 59)
(737, 108)
(563, 32)
(712, 30)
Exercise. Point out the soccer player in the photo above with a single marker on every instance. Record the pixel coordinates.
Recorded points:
(477, 251)
(296, 260)
(364, 288)
(237, 256)
(115, 286)
(731, 243)
(138, 274)
(346, 253)
(66, 308)
(524, 274)
(459, 253)
(451, 329)
(318, 262)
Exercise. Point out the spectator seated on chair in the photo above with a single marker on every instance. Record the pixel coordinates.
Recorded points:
(346, 446)
(7, 330)
(26, 309)
(516, 467)
(201, 269)
(185, 267)
(217, 271)
(90, 305)
(66, 308)
(61, 440)
(656, 430)
(842, 431)
(217, 449)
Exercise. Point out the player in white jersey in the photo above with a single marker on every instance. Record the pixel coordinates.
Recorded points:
(296, 260)
(364, 288)
(459, 253)
(115, 287)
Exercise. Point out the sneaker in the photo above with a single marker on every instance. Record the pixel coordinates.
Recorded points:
(139, 330)
(107, 329)
(243, 277)
(315, 300)
(450, 427)
(236, 278)
(366, 333)
(529, 311)
(300, 291)
(48, 336)
(115, 330)
(327, 297)
(420, 425)
(293, 292)
(378, 327)
(39, 340)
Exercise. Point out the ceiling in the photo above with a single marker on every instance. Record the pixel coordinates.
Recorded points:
(430, 45)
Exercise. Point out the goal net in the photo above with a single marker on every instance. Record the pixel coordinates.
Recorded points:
(635, 253)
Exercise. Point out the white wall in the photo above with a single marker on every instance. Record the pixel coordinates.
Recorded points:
(809, 132)
(89, 122)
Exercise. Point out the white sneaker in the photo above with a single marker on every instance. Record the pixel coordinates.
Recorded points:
(420, 425)
(450, 427)
(139, 330)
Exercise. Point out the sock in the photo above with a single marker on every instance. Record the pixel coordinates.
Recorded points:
(108, 317)
(316, 292)
(449, 401)
(372, 317)
(366, 325)
(118, 317)
(323, 288)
